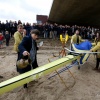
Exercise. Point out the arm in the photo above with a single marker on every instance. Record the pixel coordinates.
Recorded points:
(17, 38)
(72, 39)
(82, 40)
(22, 45)
(93, 44)
(97, 47)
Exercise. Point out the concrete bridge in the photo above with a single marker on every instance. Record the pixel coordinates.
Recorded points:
(80, 12)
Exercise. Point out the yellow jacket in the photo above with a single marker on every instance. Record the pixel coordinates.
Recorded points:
(97, 48)
(18, 38)
(74, 39)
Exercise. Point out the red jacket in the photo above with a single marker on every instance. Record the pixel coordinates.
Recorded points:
(1, 38)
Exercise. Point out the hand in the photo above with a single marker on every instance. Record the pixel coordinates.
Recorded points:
(25, 53)
(91, 50)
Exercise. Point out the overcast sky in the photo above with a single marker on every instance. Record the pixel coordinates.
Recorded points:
(24, 10)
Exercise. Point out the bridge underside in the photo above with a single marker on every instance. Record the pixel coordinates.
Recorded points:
(80, 12)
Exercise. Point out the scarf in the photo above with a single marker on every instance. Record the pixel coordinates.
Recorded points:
(33, 51)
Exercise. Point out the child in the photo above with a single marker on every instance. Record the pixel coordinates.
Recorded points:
(7, 37)
(1, 40)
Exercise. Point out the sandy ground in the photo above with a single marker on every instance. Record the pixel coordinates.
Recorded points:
(86, 85)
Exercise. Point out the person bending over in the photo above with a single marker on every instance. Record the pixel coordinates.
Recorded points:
(28, 47)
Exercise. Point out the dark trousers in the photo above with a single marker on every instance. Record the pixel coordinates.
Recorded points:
(97, 62)
(28, 68)
(24, 70)
(34, 64)
(7, 42)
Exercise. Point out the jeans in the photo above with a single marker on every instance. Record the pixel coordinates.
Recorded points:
(45, 34)
(51, 34)
(55, 34)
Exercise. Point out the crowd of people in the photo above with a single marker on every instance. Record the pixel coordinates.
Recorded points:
(47, 30)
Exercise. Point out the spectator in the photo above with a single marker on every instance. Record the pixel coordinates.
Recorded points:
(60, 30)
(7, 37)
(1, 40)
(55, 30)
(15, 24)
(7, 26)
(18, 36)
(28, 28)
(3, 28)
(51, 31)
(46, 30)
(13, 28)
(24, 32)
(19, 22)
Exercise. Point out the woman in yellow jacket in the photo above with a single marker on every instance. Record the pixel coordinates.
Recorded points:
(96, 48)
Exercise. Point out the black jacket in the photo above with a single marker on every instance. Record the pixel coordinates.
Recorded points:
(7, 36)
(26, 45)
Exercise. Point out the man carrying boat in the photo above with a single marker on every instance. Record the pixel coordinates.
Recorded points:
(76, 38)
(96, 48)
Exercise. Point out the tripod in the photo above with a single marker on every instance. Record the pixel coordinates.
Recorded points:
(63, 40)
(62, 52)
